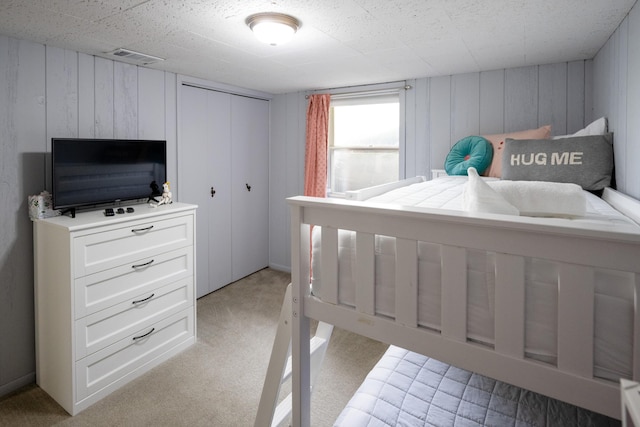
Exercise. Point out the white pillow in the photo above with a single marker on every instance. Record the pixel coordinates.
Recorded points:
(598, 127)
(477, 196)
(542, 198)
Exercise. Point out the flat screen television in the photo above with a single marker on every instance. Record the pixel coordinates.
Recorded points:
(93, 172)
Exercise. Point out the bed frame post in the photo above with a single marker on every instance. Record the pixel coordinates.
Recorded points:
(301, 381)
(635, 351)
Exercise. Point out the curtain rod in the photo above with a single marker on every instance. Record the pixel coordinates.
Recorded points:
(351, 90)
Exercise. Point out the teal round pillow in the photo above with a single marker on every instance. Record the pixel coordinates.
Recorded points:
(472, 151)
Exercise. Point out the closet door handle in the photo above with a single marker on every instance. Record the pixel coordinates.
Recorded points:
(142, 265)
(139, 230)
(139, 337)
(213, 192)
(142, 300)
(248, 187)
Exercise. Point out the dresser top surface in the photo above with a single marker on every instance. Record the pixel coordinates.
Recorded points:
(95, 218)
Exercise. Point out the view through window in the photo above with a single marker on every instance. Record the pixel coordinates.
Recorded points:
(364, 141)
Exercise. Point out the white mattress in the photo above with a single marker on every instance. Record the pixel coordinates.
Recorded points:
(614, 290)
(409, 389)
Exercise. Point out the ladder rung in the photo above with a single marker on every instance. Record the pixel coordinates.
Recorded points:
(315, 344)
(282, 412)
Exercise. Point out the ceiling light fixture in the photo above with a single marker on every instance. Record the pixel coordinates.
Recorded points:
(273, 28)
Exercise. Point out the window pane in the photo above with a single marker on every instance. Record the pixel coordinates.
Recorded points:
(368, 125)
(356, 169)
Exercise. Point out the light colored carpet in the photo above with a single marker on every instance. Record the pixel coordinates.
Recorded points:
(218, 381)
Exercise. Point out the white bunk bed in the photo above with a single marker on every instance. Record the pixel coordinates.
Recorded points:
(584, 254)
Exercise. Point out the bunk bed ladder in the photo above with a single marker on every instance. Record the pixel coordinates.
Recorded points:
(270, 412)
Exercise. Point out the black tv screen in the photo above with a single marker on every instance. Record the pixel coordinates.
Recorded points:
(90, 172)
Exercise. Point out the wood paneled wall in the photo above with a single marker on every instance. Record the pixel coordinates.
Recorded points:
(616, 75)
(451, 107)
(49, 92)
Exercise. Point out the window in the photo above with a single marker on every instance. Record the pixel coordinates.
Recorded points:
(364, 141)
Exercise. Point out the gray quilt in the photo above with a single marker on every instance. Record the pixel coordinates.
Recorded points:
(409, 389)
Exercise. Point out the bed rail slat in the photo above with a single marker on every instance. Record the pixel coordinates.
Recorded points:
(365, 272)
(509, 305)
(329, 260)
(575, 319)
(407, 282)
(454, 292)
(636, 330)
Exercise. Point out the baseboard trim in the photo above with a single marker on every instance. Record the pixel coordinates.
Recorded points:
(285, 268)
(14, 385)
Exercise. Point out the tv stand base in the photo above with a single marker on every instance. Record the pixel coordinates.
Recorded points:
(72, 210)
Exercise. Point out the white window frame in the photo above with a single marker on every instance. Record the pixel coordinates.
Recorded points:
(350, 95)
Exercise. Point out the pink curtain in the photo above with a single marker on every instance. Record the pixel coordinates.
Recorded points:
(315, 159)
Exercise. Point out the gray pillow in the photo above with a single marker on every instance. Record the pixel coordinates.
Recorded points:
(583, 160)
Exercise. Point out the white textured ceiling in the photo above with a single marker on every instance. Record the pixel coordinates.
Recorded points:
(341, 42)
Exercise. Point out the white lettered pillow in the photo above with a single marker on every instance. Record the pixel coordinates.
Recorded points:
(583, 160)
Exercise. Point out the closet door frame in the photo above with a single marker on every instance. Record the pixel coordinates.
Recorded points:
(213, 248)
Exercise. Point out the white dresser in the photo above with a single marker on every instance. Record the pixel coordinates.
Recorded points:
(114, 297)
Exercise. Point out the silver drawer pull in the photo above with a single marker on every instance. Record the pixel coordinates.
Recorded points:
(143, 300)
(139, 337)
(142, 265)
(139, 230)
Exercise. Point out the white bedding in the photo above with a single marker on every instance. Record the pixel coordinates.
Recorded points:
(409, 389)
(526, 198)
(614, 291)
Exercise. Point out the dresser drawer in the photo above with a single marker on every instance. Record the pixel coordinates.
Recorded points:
(126, 282)
(115, 362)
(98, 330)
(138, 239)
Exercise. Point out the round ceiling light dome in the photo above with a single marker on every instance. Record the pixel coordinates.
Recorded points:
(273, 28)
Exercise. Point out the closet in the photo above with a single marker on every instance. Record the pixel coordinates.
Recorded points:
(223, 161)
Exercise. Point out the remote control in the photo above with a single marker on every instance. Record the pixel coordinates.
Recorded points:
(108, 212)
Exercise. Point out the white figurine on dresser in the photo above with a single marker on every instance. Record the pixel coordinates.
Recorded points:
(114, 297)
(167, 196)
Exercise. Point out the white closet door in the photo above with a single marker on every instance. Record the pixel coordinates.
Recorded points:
(250, 181)
(204, 156)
